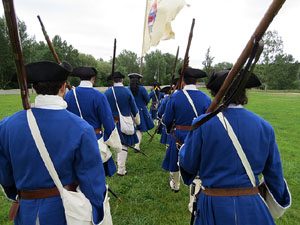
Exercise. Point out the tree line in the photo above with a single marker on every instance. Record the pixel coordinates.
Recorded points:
(276, 69)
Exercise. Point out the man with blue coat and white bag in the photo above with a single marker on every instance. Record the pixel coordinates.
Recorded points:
(49, 158)
(229, 152)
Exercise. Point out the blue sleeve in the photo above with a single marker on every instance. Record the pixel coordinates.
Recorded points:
(169, 114)
(273, 174)
(162, 107)
(189, 156)
(151, 95)
(6, 171)
(90, 174)
(145, 96)
(105, 115)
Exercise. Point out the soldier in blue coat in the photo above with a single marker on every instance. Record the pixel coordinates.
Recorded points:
(95, 109)
(165, 138)
(178, 117)
(142, 99)
(127, 107)
(228, 196)
(155, 96)
(72, 146)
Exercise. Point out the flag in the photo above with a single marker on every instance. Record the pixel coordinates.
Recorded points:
(158, 17)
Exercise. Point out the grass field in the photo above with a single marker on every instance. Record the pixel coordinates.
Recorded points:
(146, 197)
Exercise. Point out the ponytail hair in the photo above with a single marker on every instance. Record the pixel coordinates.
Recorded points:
(134, 86)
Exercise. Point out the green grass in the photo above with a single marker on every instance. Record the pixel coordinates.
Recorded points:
(146, 197)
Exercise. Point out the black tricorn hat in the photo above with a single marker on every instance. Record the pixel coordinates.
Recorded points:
(191, 72)
(217, 79)
(84, 72)
(156, 84)
(166, 89)
(135, 75)
(44, 71)
(116, 75)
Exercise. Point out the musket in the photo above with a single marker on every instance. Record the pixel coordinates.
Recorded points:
(12, 25)
(114, 194)
(186, 58)
(49, 41)
(114, 57)
(136, 150)
(246, 53)
(52, 48)
(174, 71)
(155, 131)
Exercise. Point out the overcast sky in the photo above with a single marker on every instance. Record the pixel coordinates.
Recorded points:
(224, 25)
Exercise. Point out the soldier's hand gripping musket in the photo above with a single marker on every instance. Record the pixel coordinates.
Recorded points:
(11, 21)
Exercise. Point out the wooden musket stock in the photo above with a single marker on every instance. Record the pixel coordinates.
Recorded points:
(11, 21)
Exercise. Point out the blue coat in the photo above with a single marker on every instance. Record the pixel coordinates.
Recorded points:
(96, 111)
(155, 100)
(180, 112)
(142, 99)
(73, 148)
(165, 138)
(209, 152)
(127, 106)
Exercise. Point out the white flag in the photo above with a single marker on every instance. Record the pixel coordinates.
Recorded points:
(159, 14)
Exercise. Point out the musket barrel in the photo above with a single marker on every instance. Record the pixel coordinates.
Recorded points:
(11, 21)
(186, 57)
(257, 35)
(114, 57)
(48, 41)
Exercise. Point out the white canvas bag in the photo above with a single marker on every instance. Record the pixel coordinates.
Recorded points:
(126, 122)
(104, 149)
(275, 209)
(78, 209)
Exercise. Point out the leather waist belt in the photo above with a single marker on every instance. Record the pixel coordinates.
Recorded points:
(98, 131)
(45, 193)
(180, 127)
(154, 101)
(223, 192)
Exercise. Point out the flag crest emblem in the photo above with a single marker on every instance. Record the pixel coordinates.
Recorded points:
(152, 15)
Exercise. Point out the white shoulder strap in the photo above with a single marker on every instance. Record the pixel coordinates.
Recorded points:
(42, 149)
(113, 90)
(238, 147)
(190, 101)
(74, 91)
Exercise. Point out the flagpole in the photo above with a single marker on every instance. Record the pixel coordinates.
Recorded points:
(145, 22)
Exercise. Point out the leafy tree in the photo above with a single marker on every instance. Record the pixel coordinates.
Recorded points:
(104, 70)
(273, 46)
(207, 64)
(65, 52)
(7, 66)
(283, 73)
(155, 64)
(222, 66)
(127, 62)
